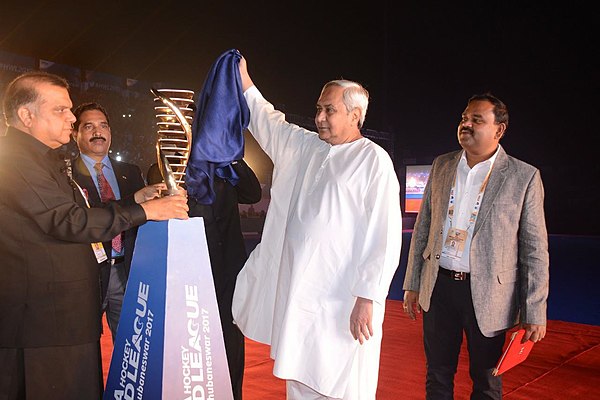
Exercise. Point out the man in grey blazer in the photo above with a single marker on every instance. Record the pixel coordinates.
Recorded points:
(478, 259)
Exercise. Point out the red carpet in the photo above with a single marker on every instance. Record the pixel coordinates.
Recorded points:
(565, 365)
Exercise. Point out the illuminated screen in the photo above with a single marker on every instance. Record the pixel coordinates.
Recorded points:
(416, 178)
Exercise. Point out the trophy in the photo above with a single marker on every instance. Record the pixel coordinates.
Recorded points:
(174, 114)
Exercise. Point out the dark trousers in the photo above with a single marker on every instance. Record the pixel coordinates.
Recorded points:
(450, 315)
(233, 338)
(113, 300)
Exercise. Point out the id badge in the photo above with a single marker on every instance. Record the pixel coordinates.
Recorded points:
(455, 243)
(99, 252)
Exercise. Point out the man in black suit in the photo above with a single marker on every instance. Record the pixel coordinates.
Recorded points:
(93, 135)
(49, 291)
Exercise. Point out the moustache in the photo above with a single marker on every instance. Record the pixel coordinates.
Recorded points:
(97, 138)
(466, 130)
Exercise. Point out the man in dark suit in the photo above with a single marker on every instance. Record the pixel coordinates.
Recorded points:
(478, 262)
(49, 291)
(227, 252)
(93, 135)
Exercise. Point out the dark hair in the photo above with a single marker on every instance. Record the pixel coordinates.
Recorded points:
(87, 107)
(500, 109)
(22, 91)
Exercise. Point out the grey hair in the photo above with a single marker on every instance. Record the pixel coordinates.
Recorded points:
(355, 96)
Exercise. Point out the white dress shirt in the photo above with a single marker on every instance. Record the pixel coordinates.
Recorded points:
(467, 186)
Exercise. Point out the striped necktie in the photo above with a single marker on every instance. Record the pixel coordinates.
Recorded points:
(107, 194)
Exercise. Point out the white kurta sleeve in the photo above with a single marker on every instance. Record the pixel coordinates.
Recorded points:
(279, 139)
(380, 255)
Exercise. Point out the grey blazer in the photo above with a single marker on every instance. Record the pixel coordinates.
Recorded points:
(509, 253)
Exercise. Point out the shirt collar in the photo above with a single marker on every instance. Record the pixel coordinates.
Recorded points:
(487, 163)
(90, 162)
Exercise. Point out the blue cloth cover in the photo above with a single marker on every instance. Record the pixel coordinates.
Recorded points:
(221, 117)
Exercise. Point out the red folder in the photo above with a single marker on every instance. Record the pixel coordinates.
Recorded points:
(515, 353)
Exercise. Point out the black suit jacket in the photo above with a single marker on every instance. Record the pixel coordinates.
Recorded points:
(226, 245)
(130, 180)
(49, 291)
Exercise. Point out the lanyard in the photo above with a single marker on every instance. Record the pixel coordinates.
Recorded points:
(97, 247)
(477, 205)
(83, 193)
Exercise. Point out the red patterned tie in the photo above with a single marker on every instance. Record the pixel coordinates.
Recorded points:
(106, 194)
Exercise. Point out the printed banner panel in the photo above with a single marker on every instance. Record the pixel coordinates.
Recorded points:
(169, 343)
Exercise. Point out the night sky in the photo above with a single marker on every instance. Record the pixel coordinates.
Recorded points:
(420, 61)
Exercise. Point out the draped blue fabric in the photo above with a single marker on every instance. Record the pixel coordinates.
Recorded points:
(221, 117)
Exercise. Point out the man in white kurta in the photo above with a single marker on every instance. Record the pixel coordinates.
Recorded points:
(316, 285)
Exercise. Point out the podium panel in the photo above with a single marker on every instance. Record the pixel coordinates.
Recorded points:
(169, 342)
